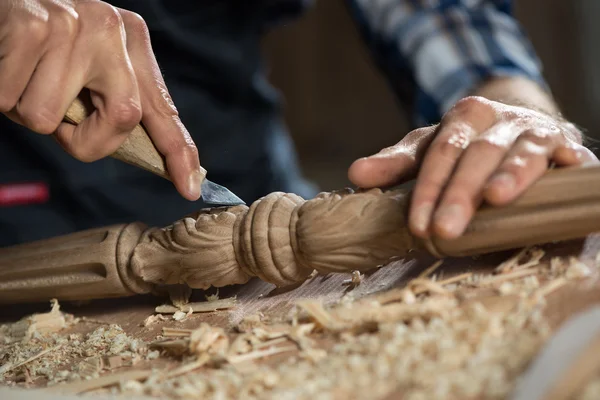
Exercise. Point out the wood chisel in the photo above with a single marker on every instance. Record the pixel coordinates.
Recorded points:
(139, 150)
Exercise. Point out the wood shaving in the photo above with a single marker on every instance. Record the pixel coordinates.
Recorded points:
(508, 276)
(430, 269)
(99, 382)
(213, 297)
(432, 339)
(152, 319)
(36, 325)
(206, 339)
(577, 269)
(514, 263)
(206, 306)
(355, 280)
(56, 358)
(180, 315)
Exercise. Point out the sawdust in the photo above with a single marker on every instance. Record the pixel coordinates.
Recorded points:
(34, 348)
(429, 340)
(432, 339)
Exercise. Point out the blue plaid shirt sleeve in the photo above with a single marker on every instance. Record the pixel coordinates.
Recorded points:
(435, 52)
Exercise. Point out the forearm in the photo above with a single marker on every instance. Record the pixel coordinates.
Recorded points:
(523, 92)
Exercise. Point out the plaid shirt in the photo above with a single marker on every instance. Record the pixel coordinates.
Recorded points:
(435, 52)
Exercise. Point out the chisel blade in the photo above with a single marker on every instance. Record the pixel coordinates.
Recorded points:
(217, 195)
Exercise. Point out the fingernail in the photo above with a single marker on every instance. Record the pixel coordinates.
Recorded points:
(451, 219)
(504, 179)
(194, 182)
(422, 216)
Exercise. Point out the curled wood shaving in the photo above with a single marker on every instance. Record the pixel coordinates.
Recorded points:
(37, 324)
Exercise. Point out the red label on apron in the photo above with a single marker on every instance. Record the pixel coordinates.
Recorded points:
(18, 194)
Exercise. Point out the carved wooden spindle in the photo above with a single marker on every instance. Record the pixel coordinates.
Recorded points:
(281, 238)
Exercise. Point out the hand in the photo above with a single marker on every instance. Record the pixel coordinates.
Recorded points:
(481, 151)
(52, 49)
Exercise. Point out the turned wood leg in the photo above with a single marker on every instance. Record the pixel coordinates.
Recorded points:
(81, 266)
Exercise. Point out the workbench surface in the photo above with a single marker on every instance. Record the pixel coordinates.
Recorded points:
(277, 307)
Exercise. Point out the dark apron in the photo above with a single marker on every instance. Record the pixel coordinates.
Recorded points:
(209, 52)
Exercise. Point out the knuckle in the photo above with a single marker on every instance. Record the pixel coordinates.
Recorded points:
(134, 23)
(40, 120)
(515, 164)
(93, 149)
(470, 104)
(66, 21)
(8, 101)
(85, 153)
(125, 114)
(536, 137)
(36, 29)
(528, 148)
(179, 144)
(448, 149)
(163, 105)
(108, 15)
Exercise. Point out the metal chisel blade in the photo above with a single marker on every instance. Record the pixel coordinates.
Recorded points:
(217, 195)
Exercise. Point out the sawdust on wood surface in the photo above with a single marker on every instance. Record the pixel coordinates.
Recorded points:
(464, 336)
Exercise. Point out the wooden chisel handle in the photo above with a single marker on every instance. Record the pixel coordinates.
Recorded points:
(138, 149)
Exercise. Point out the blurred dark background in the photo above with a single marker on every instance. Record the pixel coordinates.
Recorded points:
(339, 108)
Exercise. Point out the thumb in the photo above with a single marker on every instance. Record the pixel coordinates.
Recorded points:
(392, 165)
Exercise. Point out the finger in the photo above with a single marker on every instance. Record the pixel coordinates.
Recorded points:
(393, 164)
(113, 86)
(19, 61)
(159, 114)
(526, 162)
(459, 126)
(54, 84)
(573, 154)
(463, 193)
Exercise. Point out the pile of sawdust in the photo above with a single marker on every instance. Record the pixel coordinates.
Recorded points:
(35, 348)
(466, 336)
(433, 339)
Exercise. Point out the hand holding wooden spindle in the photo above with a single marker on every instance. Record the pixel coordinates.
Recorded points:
(282, 238)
